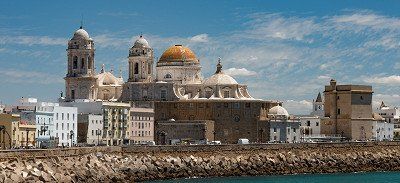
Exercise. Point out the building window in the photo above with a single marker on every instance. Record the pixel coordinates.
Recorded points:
(56, 116)
(75, 62)
(163, 94)
(72, 94)
(82, 63)
(56, 126)
(67, 116)
(136, 68)
(236, 105)
(274, 129)
(361, 97)
(226, 94)
(62, 116)
(308, 123)
(247, 105)
(338, 111)
(316, 123)
(168, 76)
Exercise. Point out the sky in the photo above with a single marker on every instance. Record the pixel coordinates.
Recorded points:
(283, 50)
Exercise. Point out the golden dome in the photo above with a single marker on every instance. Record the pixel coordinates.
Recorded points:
(178, 53)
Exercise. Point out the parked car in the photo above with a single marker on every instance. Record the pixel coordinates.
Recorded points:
(217, 142)
(243, 141)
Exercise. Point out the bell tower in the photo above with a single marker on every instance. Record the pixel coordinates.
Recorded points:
(318, 106)
(141, 61)
(80, 54)
(80, 77)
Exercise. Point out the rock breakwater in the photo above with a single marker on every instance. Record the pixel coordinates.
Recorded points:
(128, 167)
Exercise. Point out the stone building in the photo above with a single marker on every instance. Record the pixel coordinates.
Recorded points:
(81, 81)
(318, 107)
(140, 125)
(348, 111)
(233, 119)
(184, 132)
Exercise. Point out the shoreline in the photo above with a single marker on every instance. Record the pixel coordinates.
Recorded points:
(116, 164)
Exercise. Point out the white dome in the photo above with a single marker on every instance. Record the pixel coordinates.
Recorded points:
(278, 111)
(220, 79)
(81, 33)
(141, 42)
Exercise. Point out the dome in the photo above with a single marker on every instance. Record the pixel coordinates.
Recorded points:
(141, 42)
(220, 79)
(278, 111)
(81, 33)
(178, 53)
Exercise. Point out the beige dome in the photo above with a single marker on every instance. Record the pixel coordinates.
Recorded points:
(141, 42)
(220, 79)
(278, 111)
(81, 33)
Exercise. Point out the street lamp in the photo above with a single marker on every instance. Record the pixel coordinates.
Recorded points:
(98, 133)
(71, 134)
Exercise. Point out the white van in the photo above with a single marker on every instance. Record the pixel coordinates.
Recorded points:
(243, 141)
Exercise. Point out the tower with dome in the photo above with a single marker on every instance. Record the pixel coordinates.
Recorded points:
(81, 81)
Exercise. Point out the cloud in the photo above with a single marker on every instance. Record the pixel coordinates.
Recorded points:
(391, 100)
(389, 80)
(201, 38)
(21, 76)
(239, 72)
(33, 40)
(298, 107)
(276, 26)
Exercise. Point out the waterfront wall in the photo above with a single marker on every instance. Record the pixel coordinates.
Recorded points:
(125, 164)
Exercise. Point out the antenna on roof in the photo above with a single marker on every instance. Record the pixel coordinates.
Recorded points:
(81, 21)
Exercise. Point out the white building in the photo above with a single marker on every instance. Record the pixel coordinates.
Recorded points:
(281, 127)
(65, 125)
(52, 121)
(310, 127)
(382, 131)
(390, 115)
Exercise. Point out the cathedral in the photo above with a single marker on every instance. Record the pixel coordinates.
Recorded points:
(217, 107)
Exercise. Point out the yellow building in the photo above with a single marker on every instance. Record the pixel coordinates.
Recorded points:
(14, 134)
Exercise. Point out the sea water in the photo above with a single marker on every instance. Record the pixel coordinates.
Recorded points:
(365, 177)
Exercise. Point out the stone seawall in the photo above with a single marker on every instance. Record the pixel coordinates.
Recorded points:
(116, 164)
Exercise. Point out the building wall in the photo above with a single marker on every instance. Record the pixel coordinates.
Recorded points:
(171, 132)
(95, 129)
(343, 105)
(65, 121)
(310, 125)
(140, 125)
(234, 119)
(115, 119)
(7, 138)
(284, 131)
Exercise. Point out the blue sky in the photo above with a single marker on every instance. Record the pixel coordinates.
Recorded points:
(283, 50)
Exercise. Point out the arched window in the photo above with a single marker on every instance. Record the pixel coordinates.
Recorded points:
(89, 63)
(75, 62)
(226, 94)
(82, 63)
(136, 68)
(149, 69)
(168, 76)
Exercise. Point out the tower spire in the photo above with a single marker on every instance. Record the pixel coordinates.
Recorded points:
(219, 66)
(81, 22)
